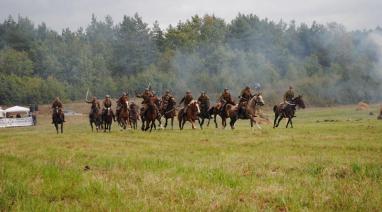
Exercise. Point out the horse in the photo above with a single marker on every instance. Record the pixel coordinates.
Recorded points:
(95, 118)
(133, 115)
(249, 112)
(205, 113)
(288, 111)
(58, 119)
(191, 114)
(217, 110)
(151, 114)
(123, 116)
(107, 118)
(168, 111)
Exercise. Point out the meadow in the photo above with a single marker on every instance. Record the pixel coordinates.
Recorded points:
(330, 160)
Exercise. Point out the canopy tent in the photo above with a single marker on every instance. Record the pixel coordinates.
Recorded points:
(2, 113)
(17, 109)
(16, 122)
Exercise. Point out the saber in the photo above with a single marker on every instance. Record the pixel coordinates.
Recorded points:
(87, 93)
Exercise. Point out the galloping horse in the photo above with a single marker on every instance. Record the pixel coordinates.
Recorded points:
(217, 110)
(205, 113)
(95, 117)
(248, 113)
(168, 111)
(123, 117)
(107, 118)
(133, 115)
(288, 111)
(58, 119)
(150, 115)
(191, 114)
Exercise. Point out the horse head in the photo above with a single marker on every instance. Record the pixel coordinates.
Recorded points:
(194, 106)
(299, 101)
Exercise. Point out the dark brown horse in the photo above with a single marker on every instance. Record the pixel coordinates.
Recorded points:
(191, 114)
(287, 111)
(168, 111)
(218, 110)
(107, 118)
(134, 115)
(58, 119)
(123, 116)
(95, 117)
(150, 114)
(205, 113)
(247, 112)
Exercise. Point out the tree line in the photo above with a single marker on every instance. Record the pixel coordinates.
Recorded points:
(326, 63)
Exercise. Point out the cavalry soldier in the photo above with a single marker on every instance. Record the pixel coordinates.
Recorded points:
(289, 95)
(57, 104)
(122, 101)
(186, 100)
(225, 99)
(245, 96)
(204, 100)
(95, 104)
(106, 103)
(146, 95)
(166, 97)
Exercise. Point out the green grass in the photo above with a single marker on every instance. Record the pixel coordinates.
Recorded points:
(315, 166)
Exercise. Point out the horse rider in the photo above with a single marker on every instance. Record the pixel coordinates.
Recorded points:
(245, 96)
(95, 104)
(204, 100)
(166, 98)
(288, 97)
(106, 104)
(57, 104)
(186, 100)
(225, 99)
(123, 101)
(146, 95)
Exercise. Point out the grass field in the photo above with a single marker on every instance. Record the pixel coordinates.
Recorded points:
(319, 165)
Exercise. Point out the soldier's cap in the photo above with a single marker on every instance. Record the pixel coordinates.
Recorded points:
(290, 87)
(167, 91)
(225, 89)
(146, 89)
(188, 91)
(107, 96)
(124, 94)
(203, 91)
(247, 87)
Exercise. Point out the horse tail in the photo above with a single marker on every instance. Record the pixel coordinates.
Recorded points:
(275, 108)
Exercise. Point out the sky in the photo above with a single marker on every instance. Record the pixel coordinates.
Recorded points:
(60, 14)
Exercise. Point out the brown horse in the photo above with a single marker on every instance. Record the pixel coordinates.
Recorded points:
(217, 110)
(95, 118)
(168, 111)
(123, 116)
(151, 114)
(58, 119)
(134, 115)
(190, 115)
(248, 112)
(107, 118)
(287, 111)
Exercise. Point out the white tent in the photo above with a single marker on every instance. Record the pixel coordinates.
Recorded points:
(16, 122)
(17, 109)
(2, 113)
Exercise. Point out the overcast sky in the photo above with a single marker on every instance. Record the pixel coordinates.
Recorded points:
(59, 14)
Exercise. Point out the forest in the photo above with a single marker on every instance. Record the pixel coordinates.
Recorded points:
(326, 63)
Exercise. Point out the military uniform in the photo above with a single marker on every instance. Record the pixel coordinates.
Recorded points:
(289, 95)
(122, 101)
(204, 100)
(245, 95)
(95, 105)
(146, 95)
(186, 100)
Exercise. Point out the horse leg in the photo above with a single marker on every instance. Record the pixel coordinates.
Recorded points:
(274, 122)
(291, 125)
(216, 124)
(165, 124)
(62, 128)
(56, 126)
(232, 122)
(172, 123)
(208, 123)
(91, 125)
(278, 122)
